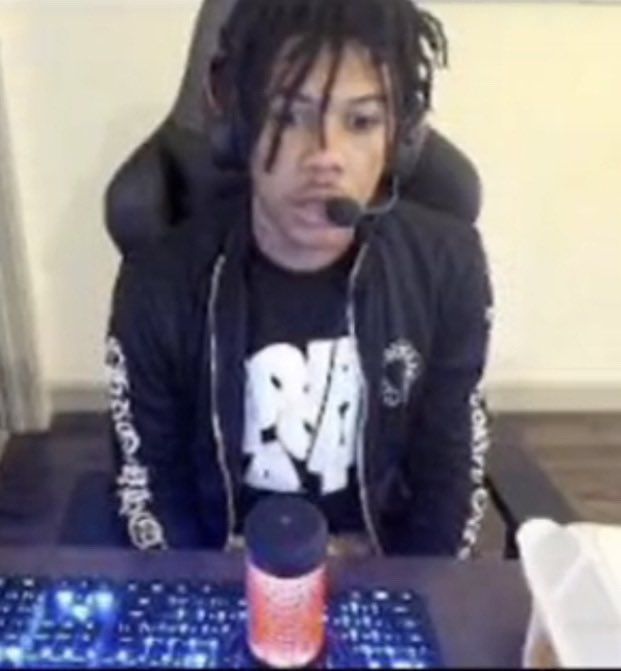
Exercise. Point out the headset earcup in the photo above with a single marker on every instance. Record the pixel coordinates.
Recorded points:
(228, 145)
(227, 134)
(408, 151)
(222, 144)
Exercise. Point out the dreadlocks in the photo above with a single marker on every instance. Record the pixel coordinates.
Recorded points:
(406, 40)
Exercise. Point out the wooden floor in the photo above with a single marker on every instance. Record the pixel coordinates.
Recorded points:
(581, 454)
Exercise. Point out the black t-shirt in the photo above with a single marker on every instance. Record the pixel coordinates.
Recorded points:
(303, 390)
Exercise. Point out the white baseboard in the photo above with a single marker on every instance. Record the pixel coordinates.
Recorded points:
(550, 398)
(78, 398)
(4, 436)
(507, 398)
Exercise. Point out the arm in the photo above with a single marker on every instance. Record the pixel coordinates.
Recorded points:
(155, 487)
(446, 470)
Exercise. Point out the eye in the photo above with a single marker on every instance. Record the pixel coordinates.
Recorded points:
(363, 122)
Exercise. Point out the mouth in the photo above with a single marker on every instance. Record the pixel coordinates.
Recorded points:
(311, 207)
(313, 212)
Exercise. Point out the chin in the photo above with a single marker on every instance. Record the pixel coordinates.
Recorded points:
(331, 239)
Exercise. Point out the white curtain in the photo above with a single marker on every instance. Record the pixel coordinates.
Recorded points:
(23, 405)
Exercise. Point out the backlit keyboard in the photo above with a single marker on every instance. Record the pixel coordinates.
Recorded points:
(102, 623)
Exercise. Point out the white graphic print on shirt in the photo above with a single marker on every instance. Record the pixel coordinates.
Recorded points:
(285, 392)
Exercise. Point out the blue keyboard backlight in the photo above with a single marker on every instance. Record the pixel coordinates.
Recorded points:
(92, 622)
(64, 598)
(104, 601)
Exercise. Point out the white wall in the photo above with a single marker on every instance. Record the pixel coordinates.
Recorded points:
(532, 95)
(85, 84)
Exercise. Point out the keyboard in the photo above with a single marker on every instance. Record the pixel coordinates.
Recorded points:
(84, 622)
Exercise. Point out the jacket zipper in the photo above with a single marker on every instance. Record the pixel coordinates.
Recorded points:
(215, 419)
(362, 487)
(217, 427)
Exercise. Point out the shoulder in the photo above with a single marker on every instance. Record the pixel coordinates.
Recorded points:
(441, 243)
(437, 230)
(185, 254)
(172, 259)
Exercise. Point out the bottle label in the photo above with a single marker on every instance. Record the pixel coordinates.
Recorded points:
(286, 617)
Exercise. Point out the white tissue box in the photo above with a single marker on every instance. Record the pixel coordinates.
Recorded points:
(574, 575)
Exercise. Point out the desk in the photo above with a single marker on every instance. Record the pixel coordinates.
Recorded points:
(479, 608)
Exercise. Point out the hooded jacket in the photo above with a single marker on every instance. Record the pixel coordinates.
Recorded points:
(419, 309)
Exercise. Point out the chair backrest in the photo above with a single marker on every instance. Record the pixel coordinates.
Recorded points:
(171, 172)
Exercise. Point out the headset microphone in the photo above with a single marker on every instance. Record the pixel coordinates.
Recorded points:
(348, 213)
(344, 212)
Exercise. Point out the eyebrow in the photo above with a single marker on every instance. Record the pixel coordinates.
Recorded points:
(309, 100)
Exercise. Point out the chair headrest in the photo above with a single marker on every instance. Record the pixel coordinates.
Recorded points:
(162, 179)
(190, 110)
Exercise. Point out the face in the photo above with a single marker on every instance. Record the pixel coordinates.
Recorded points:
(342, 155)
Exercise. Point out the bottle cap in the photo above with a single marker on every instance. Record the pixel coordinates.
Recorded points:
(286, 536)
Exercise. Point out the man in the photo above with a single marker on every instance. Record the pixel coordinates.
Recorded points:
(265, 348)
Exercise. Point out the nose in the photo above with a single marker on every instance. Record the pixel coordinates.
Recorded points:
(325, 156)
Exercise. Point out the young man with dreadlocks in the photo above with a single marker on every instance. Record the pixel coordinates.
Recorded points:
(272, 347)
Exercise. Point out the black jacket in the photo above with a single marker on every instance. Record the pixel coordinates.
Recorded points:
(419, 310)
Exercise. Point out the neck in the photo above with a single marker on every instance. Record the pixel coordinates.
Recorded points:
(285, 252)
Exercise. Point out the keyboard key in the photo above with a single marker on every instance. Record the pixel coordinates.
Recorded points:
(98, 622)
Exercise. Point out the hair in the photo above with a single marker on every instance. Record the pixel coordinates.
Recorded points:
(398, 35)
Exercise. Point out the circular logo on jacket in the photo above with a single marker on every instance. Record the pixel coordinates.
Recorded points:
(402, 364)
